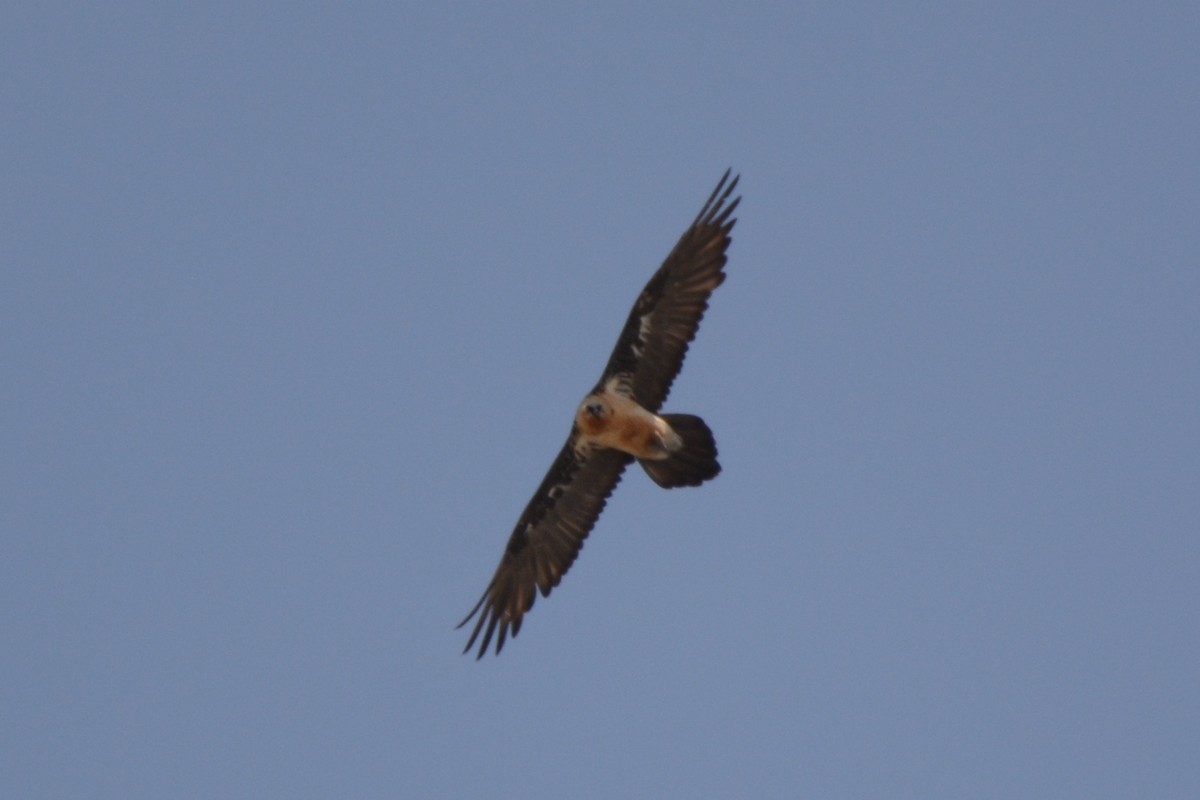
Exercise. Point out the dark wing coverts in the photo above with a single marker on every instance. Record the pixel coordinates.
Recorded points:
(668, 311)
(650, 352)
(547, 538)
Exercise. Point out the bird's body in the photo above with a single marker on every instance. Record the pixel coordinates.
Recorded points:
(618, 422)
(612, 419)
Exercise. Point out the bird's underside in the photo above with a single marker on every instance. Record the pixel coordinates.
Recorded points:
(616, 423)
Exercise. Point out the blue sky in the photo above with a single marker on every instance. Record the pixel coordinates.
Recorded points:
(299, 300)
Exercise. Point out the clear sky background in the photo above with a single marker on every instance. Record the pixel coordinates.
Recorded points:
(298, 301)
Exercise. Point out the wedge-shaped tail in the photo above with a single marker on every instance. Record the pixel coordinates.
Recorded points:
(693, 463)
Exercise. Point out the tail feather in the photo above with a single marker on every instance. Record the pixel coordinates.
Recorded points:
(692, 464)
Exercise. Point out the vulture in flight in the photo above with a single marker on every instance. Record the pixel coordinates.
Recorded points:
(616, 423)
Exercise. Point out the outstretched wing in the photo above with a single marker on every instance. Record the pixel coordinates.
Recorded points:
(664, 319)
(547, 539)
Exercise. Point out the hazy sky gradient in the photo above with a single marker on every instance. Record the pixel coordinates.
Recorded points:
(298, 301)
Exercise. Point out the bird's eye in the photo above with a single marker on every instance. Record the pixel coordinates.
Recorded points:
(595, 409)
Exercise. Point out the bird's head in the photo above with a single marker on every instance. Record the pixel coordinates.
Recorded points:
(593, 414)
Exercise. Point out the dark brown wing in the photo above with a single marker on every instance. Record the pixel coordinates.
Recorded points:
(667, 313)
(547, 539)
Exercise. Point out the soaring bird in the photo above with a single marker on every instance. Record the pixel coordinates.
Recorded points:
(618, 422)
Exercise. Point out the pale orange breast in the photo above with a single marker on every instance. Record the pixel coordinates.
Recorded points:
(635, 435)
(625, 426)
